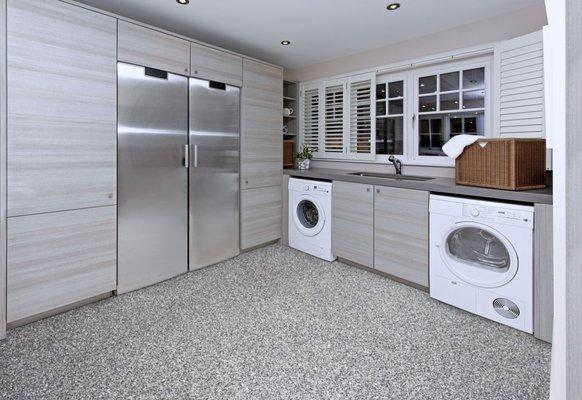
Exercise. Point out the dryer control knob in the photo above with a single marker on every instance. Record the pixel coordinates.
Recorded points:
(306, 188)
(475, 212)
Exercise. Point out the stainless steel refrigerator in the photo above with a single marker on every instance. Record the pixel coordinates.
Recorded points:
(178, 179)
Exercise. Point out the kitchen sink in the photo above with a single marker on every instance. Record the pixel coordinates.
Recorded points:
(392, 176)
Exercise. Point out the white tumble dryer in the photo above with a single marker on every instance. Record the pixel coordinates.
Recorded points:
(481, 258)
(310, 217)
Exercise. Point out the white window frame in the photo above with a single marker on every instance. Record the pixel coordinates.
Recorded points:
(406, 77)
(482, 62)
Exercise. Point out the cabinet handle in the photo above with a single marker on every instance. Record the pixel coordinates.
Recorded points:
(367, 189)
(378, 191)
(186, 156)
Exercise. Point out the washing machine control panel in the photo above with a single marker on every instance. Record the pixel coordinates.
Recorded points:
(496, 213)
(316, 189)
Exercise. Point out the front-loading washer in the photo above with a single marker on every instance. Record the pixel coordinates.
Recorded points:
(481, 258)
(310, 217)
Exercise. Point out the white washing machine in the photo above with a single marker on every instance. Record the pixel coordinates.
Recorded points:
(481, 258)
(310, 217)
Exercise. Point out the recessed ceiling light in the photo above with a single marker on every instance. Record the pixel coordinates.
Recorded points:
(183, 2)
(393, 6)
(285, 42)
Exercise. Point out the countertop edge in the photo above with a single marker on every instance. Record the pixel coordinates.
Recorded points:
(436, 185)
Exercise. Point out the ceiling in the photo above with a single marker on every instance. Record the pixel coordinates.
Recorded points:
(319, 30)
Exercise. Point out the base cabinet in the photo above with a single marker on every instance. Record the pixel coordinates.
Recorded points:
(352, 228)
(543, 272)
(58, 259)
(261, 213)
(401, 233)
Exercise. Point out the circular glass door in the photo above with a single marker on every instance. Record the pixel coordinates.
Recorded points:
(479, 255)
(309, 217)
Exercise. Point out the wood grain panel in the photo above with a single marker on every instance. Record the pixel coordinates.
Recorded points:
(150, 48)
(60, 258)
(352, 228)
(215, 65)
(262, 125)
(2, 169)
(61, 107)
(543, 272)
(285, 213)
(260, 216)
(401, 233)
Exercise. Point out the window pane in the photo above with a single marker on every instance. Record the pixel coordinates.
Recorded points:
(474, 78)
(471, 125)
(436, 129)
(427, 84)
(426, 103)
(449, 81)
(456, 125)
(450, 101)
(381, 108)
(395, 107)
(474, 99)
(389, 135)
(381, 91)
(431, 135)
(396, 89)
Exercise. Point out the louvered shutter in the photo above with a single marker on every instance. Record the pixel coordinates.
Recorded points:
(334, 118)
(520, 87)
(311, 118)
(362, 121)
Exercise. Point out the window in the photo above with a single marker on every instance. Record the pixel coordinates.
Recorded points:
(449, 103)
(410, 114)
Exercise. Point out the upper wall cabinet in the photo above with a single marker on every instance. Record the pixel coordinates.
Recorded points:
(61, 107)
(519, 77)
(261, 125)
(215, 65)
(150, 48)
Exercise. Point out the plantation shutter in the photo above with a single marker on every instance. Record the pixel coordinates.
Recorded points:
(334, 120)
(310, 118)
(362, 121)
(520, 87)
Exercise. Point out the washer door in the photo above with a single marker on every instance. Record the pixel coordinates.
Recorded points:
(309, 216)
(479, 255)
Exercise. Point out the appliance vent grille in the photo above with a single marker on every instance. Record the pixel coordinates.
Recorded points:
(506, 308)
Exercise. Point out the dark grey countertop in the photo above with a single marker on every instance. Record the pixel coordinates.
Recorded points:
(436, 185)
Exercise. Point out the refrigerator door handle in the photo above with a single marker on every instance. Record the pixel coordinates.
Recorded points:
(186, 156)
(195, 156)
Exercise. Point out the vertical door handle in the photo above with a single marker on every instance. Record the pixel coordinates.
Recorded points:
(186, 156)
(195, 156)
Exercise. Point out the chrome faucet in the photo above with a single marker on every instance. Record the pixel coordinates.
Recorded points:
(397, 164)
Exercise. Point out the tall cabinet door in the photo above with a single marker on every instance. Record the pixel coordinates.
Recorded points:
(61, 107)
(262, 125)
(352, 227)
(261, 153)
(401, 233)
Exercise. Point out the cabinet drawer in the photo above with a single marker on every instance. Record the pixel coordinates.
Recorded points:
(401, 233)
(260, 216)
(62, 107)
(215, 65)
(59, 259)
(150, 48)
(352, 225)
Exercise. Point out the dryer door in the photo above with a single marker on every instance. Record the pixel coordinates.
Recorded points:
(479, 254)
(309, 216)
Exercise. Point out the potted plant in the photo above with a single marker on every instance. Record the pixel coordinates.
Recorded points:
(303, 158)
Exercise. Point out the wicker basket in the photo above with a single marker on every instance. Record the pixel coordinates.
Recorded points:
(510, 164)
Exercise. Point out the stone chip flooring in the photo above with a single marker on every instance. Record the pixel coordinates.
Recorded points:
(272, 324)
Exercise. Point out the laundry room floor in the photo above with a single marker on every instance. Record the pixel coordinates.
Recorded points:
(273, 324)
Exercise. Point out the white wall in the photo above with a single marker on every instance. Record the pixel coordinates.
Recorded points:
(502, 27)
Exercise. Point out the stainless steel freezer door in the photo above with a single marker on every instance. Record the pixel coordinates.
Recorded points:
(214, 172)
(152, 177)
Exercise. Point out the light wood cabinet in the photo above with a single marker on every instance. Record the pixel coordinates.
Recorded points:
(261, 125)
(215, 65)
(260, 216)
(144, 46)
(401, 233)
(60, 258)
(61, 107)
(543, 272)
(353, 222)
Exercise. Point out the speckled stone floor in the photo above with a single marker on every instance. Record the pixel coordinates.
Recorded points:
(272, 324)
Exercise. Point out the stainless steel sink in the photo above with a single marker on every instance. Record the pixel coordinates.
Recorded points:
(392, 176)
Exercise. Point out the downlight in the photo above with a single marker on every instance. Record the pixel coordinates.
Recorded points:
(393, 6)
(285, 42)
